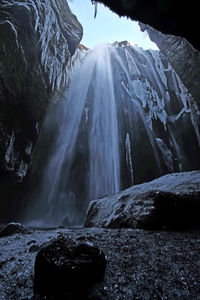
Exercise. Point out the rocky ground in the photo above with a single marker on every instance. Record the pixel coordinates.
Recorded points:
(140, 264)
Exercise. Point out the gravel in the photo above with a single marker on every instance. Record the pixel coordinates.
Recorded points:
(140, 264)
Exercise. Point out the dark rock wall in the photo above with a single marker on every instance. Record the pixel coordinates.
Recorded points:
(183, 57)
(186, 62)
(36, 41)
(170, 17)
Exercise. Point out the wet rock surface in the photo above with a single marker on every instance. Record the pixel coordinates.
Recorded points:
(186, 61)
(169, 202)
(64, 268)
(182, 56)
(140, 264)
(13, 228)
(37, 39)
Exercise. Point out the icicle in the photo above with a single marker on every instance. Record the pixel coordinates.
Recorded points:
(86, 114)
(10, 158)
(95, 8)
(22, 170)
(128, 157)
(95, 11)
(166, 154)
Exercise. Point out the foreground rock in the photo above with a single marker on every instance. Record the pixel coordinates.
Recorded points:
(13, 228)
(169, 202)
(64, 269)
(140, 264)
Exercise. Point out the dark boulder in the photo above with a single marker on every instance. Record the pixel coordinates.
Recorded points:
(65, 270)
(34, 248)
(13, 228)
(171, 202)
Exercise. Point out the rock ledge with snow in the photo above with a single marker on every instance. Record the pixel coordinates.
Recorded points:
(171, 202)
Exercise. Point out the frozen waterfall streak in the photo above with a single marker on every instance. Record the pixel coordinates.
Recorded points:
(103, 140)
(189, 106)
(129, 157)
(134, 70)
(178, 150)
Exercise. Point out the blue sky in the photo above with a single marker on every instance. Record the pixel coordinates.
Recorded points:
(107, 27)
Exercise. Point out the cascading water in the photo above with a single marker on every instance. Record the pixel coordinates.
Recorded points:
(57, 201)
(103, 136)
(125, 119)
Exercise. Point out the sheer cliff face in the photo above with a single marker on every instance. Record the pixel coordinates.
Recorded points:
(184, 58)
(186, 62)
(37, 39)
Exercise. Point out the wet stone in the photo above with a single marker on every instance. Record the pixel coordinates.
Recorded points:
(64, 268)
(34, 248)
(13, 228)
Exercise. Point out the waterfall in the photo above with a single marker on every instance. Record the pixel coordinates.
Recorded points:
(103, 136)
(124, 119)
(56, 202)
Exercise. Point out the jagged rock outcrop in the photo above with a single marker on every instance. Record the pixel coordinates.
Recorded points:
(169, 202)
(186, 62)
(168, 16)
(37, 39)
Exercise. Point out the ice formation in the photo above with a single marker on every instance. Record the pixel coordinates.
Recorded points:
(129, 157)
(51, 35)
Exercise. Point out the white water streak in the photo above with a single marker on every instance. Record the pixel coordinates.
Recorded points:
(129, 157)
(104, 146)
